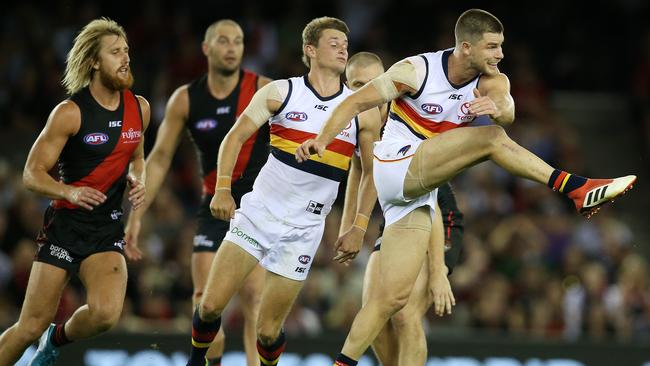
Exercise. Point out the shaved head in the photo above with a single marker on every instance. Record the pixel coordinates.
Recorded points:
(361, 68)
(212, 29)
(363, 59)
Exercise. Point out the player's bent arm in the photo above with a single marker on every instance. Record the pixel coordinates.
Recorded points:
(167, 139)
(264, 104)
(137, 167)
(64, 121)
(398, 80)
(369, 123)
(351, 194)
(497, 88)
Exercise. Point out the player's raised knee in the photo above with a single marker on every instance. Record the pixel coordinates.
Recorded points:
(494, 134)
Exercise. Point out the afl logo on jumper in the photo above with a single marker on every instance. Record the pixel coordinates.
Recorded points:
(432, 108)
(296, 116)
(206, 124)
(304, 259)
(96, 138)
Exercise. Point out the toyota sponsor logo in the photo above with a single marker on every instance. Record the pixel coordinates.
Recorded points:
(464, 108)
(467, 115)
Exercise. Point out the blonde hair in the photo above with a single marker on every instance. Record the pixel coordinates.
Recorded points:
(85, 51)
(209, 33)
(312, 32)
(471, 25)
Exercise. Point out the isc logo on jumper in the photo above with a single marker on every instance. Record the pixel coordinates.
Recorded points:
(223, 110)
(432, 108)
(206, 124)
(96, 138)
(296, 116)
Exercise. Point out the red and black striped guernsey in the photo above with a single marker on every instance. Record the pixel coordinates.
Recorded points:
(98, 155)
(209, 121)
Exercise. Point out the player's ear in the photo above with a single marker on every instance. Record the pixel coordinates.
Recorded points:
(466, 48)
(95, 64)
(310, 50)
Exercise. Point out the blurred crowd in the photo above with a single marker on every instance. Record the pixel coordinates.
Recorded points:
(530, 265)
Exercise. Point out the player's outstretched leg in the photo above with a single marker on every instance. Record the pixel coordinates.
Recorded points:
(442, 157)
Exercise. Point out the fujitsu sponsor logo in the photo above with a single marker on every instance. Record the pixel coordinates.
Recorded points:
(131, 136)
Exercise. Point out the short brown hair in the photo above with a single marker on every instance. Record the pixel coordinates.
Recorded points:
(471, 25)
(364, 59)
(209, 32)
(312, 32)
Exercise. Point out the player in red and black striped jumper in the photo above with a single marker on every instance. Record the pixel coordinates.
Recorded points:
(208, 107)
(96, 136)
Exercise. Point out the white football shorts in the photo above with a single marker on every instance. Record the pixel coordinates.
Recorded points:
(390, 164)
(280, 248)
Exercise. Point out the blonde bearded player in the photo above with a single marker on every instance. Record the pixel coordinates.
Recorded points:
(83, 232)
(404, 334)
(432, 94)
(280, 223)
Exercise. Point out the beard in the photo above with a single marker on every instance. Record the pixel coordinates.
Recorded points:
(114, 82)
(226, 71)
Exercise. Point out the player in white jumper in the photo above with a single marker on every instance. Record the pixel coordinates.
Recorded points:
(280, 223)
(422, 147)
